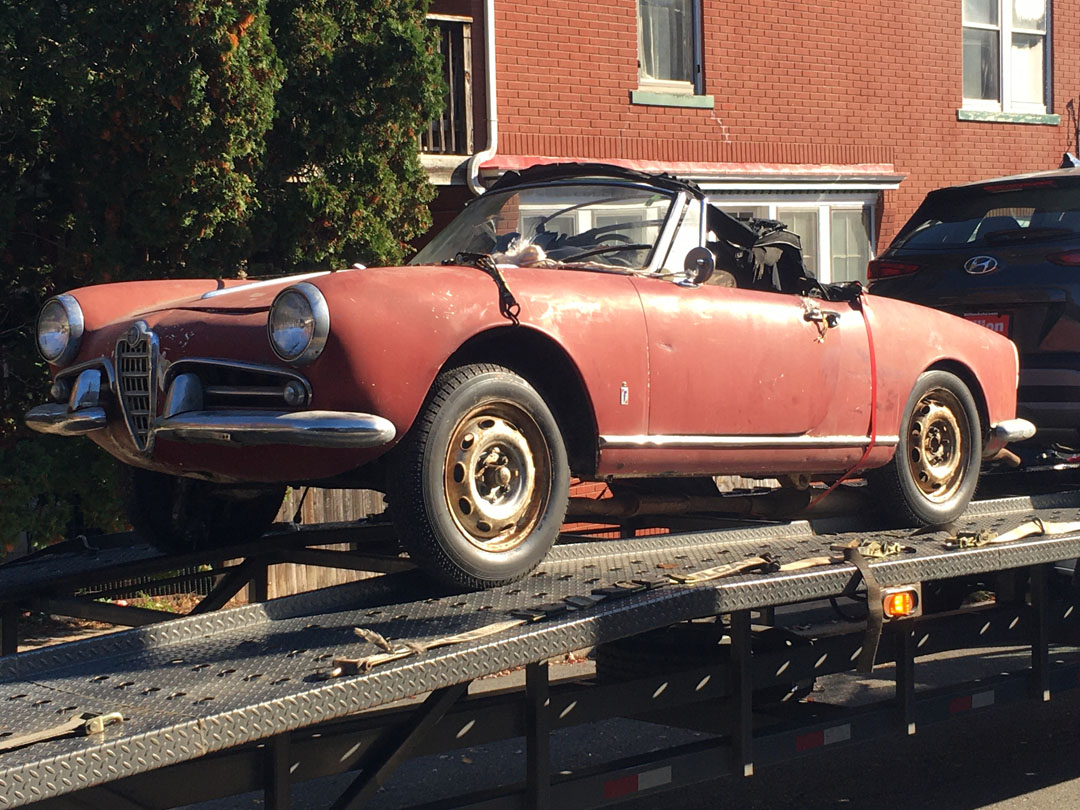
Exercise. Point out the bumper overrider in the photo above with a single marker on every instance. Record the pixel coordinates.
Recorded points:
(184, 419)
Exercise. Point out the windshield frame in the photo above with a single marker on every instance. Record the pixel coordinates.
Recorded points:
(673, 217)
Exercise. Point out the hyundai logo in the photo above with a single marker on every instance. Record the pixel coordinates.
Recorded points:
(980, 265)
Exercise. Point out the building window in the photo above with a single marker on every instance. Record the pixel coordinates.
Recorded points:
(451, 133)
(669, 45)
(1005, 55)
(849, 244)
(836, 233)
(806, 223)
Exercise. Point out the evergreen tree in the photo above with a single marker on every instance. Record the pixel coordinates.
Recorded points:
(155, 138)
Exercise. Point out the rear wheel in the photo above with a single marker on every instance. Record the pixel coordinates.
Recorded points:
(479, 488)
(184, 514)
(933, 475)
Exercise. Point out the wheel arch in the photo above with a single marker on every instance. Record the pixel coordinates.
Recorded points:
(547, 366)
(968, 378)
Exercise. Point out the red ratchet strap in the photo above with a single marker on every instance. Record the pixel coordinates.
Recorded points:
(863, 305)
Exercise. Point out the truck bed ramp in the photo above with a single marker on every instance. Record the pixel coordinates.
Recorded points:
(209, 683)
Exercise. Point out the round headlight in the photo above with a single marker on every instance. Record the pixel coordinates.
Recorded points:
(299, 323)
(59, 329)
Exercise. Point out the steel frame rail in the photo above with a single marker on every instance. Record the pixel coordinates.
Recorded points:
(375, 742)
(68, 579)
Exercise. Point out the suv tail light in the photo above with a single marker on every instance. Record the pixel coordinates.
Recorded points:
(1021, 185)
(884, 268)
(1069, 259)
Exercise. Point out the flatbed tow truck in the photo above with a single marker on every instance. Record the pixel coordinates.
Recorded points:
(360, 677)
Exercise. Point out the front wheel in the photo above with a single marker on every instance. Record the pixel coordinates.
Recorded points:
(479, 487)
(933, 475)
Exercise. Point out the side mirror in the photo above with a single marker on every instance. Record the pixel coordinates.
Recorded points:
(699, 265)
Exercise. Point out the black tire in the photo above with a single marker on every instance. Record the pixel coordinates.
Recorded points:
(934, 473)
(479, 487)
(179, 515)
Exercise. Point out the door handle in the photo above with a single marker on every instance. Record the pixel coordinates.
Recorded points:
(828, 317)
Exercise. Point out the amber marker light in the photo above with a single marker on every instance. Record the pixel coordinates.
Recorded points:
(900, 602)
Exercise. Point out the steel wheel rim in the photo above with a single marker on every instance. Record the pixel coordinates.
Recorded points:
(937, 445)
(497, 475)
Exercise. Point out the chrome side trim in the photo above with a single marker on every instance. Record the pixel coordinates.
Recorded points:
(296, 428)
(264, 283)
(735, 442)
(241, 391)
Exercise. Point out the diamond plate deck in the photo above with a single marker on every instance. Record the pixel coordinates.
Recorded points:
(206, 683)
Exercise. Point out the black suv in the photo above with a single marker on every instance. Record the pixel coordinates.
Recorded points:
(1004, 253)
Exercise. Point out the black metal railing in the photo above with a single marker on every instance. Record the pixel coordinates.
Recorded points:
(451, 133)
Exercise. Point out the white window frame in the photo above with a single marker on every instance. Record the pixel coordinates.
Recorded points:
(1005, 30)
(825, 204)
(696, 84)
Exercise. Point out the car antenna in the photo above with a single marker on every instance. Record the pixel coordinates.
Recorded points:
(1070, 161)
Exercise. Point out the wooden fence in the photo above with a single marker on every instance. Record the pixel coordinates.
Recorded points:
(321, 506)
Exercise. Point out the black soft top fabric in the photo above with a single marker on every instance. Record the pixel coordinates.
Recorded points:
(573, 171)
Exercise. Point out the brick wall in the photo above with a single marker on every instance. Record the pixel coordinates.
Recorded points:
(860, 81)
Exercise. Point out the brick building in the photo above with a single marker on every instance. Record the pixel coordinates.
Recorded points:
(835, 117)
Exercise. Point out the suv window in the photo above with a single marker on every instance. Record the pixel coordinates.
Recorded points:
(978, 217)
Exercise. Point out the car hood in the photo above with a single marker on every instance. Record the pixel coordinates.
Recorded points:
(237, 295)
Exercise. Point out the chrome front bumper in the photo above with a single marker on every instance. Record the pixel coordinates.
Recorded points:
(183, 419)
(59, 419)
(298, 428)
(82, 413)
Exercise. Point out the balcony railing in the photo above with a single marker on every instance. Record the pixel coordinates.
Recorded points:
(452, 132)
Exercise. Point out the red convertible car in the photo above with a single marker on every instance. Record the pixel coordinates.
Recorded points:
(575, 320)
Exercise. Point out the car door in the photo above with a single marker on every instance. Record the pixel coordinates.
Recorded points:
(729, 362)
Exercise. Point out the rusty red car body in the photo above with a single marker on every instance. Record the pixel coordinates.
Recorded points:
(648, 373)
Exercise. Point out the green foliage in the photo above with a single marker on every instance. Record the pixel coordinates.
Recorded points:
(155, 138)
(343, 180)
(137, 129)
(52, 487)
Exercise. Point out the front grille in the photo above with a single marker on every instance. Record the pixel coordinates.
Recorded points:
(236, 385)
(135, 381)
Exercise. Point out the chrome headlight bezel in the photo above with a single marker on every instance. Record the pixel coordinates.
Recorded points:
(72, 329)
(317, 333)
